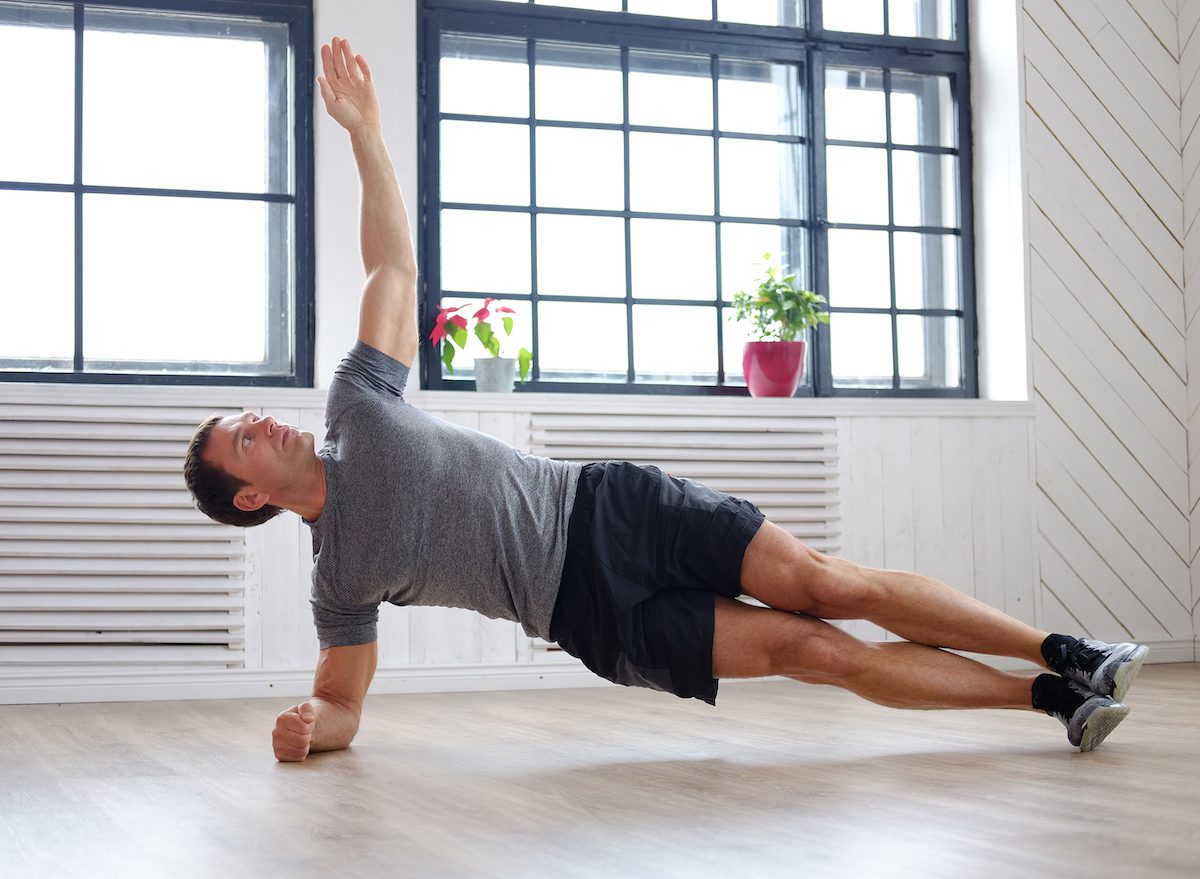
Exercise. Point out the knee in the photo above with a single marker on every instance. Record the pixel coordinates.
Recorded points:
(822, 655)
(840, 589)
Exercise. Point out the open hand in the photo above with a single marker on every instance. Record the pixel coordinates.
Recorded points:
(293, 733)
(346, 87)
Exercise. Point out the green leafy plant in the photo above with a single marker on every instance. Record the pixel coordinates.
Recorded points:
(451, 329)
(779, 309)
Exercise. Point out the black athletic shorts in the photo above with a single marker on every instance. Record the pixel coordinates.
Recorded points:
(646, 552)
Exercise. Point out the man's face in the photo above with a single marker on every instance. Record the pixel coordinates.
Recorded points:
(260, 451)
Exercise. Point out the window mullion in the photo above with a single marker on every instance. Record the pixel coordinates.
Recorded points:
(629, 376)
(531, 61)
(78, 172)
(716, 73)
(823, 357)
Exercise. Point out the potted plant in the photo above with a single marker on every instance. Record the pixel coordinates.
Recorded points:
(780, 311)
(494, 373)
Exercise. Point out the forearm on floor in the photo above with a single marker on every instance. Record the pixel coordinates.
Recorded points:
(385, 235)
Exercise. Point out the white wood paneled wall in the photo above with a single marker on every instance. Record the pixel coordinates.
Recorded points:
(1104, 159)
(1189, 81)
(949, 498)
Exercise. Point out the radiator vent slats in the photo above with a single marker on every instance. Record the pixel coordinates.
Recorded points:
(104, 562)
(786, 465)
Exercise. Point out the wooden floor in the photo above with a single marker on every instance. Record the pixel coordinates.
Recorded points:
(782, 779)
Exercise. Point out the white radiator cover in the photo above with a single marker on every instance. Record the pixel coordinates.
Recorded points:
(785, 466)
(104, 562)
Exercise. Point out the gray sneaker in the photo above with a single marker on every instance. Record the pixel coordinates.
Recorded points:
(1093, 720)
(1106, 669)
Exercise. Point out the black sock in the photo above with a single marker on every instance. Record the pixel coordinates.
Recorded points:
(1054, 650)
(1053, 695)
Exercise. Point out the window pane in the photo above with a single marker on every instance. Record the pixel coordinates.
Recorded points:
(743, 246)
(671, 173)
(580, 168)
(926, 271)
(854, 104)
(921, 18)
(760, 98)
(464, 360)
(701, 9)
(859, 272)
(674, 343)
(930, 351)
(199, 122)
(672, 91)
(580, 341)
(485, 251)
(859, 16)
(922, 110)
(581, 256)
(760, 178)
(673, 259)
(39, 38)
(925, 194)
(488, 76)
(861, 350)
(784, 13)
(857, 184)
(37, 277)
(578, 83)
(484, 162)
(140, 305)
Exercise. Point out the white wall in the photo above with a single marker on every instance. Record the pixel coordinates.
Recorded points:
(386, 35)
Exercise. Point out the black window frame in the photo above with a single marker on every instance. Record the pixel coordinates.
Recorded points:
(299, 63)
(811, 49)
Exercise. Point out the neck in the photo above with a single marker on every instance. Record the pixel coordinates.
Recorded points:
(308, 498)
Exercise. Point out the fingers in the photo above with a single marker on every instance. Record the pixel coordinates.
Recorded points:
(339, 57)
(338, 60)
(296, 724)
(326, 92)
(327, 61)
(348, 57)
(292, 735)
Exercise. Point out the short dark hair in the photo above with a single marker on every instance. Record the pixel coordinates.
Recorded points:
(213, 488)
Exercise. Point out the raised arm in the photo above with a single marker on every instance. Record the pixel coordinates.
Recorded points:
(329, 720)
(387, 317)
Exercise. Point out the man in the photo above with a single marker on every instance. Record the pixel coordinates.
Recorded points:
(631, 570)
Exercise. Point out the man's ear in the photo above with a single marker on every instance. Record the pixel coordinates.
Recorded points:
(249, 501)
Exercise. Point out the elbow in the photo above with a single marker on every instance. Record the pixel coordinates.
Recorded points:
(396, 273)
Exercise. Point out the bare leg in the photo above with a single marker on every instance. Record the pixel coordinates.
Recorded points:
(784, 573)
(755, 642)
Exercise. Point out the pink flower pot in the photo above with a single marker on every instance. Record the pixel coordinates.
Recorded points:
(773, 369)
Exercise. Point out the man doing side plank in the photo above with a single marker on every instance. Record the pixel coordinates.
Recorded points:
(633, 571)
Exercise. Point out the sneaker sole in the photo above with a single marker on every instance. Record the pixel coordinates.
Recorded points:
(1127, 671)
(1101, 722)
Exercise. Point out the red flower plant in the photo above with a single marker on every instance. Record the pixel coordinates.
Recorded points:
(451, 327)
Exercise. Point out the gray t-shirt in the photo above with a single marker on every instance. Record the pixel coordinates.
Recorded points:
(421, 511)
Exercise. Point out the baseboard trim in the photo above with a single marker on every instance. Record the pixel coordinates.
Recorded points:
(139, 686)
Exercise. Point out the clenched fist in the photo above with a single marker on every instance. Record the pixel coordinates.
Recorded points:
(293, 733)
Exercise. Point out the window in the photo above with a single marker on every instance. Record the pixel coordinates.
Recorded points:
(155, 193)
(615, 170)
